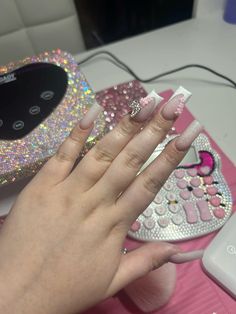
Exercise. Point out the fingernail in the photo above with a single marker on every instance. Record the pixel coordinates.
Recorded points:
(168, 251)
(185, 140)
(181, 90)
(148, 104)
(90, 116)
(173, 108)
(173, 249)
(186, 257)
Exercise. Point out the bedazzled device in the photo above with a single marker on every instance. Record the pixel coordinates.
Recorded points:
(42, 98)
(194, 201)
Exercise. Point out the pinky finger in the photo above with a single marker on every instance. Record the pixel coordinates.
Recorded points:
(140, 262)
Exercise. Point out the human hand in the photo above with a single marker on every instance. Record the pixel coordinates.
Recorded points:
(61, 243)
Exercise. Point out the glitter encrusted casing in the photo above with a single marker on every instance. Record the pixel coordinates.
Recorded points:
(194, 201)
(24, 157)
(116, 100)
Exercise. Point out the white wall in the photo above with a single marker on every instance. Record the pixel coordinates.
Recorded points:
(208, 8)
(28, 27)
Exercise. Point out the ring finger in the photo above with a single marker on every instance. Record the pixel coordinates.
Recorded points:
(137, 151)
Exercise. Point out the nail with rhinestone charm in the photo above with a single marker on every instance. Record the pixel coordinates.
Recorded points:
(145, 107)
(174, 107)
(90, 116)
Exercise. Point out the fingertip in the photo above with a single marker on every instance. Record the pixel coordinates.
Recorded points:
(87, 121)
(148, 105)
(78, 129)
(184, 141)
(163, 253)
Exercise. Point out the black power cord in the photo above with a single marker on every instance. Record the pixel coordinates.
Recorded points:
(115, 60)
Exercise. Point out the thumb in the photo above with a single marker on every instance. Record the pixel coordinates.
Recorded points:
(139, 262)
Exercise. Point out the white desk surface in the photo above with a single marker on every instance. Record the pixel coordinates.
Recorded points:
(210, 41)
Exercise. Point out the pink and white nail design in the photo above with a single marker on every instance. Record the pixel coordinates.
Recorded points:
(148, 105)
(147, 100)
(175, 106)
(185, 140)
(179, 108)
(184, 92)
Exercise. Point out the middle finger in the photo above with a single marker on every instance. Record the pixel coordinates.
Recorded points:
(98, 159)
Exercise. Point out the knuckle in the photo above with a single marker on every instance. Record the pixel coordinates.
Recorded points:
(171, 156)
(154, 264)
(76, 137)
(102, 155)
(127, 127)
(134, 160)
(159, 125)
(155, 128)
(153, 184)
(62, 156)
(67, 201)
(119, 227)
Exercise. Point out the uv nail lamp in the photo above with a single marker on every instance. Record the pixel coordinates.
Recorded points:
(42, 98)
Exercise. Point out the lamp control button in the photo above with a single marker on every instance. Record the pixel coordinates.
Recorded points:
(18, 125)
(231, 249)
(47, 95)
(34, 110)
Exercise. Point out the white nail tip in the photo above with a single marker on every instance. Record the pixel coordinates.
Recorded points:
(157, 98)
(181, 90)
